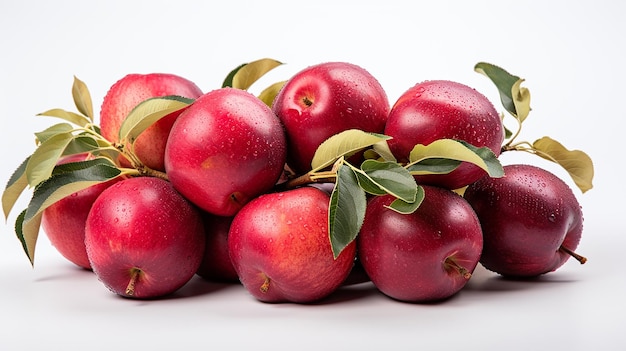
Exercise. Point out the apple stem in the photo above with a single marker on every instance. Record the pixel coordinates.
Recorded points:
(134, 276)
(312, 177)
(450, 262)
(266, 285)
(578, 257)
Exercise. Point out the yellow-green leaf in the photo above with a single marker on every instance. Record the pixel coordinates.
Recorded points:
(451, 149)
(82, 98)
(577, 163)
(268, 94)
(60, 128)
(344, 144)
(149, 112)
(45, 157)
(249, 73)
(14, 188)
(521, 99)
(71, 117)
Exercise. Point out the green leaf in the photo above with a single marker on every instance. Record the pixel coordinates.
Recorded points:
(343, 144)
(148, 112)
(14, 188)
(245, 75)
(433, 166)
(71, 117)
(503, 81)
(368, 184)
(268, 94)
(455, 150)
(346, 209)
(392, 178)
(67, 179)
(82, 98)
(576, 162)
(45, 157)
(82, 143)
(404, 207)
(516, 100)
(494, 167)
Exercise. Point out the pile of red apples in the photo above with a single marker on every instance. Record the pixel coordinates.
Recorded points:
(317, 182)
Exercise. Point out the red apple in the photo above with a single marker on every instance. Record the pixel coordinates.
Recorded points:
(130, 91)
(143, 239)
(216, 264)
(64, 221)
(279, 245)
(532, 221)
(440, 109)
(323, 100)
(224, 150)
(428, 255)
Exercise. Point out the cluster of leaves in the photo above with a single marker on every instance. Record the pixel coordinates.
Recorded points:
(516, 101)
(378, 174)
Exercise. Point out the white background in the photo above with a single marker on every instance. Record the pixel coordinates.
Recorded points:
(571, 54)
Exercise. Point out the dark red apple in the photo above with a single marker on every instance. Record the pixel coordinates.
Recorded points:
(428, 255)
(532, 221)
(323, 100)
(279, 245)
(64, 221)
(143, 239)
(440, 109)
(130, 91)
(216, 264)
(224, 150)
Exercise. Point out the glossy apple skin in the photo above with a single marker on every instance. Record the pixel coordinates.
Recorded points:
(438, 109)
(216, 264)
(323, 100)
(225, 149)
(526, 216)
(284, 237)
(130, 91)
(143, 223)
(64, 221)
(404, 254)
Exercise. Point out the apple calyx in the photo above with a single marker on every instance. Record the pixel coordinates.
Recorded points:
(265, 287)
(135, 273)
(308, 102)
(450, 264)
(579, 258)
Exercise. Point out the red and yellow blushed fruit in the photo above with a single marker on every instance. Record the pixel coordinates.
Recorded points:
(439, 109)
(64, 221)
(323, 100)
(279, 245)
(143, 239)
(531, 219)
(224, 150)
(130, 91)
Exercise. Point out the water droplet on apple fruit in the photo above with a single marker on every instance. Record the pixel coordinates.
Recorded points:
(552, 217)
